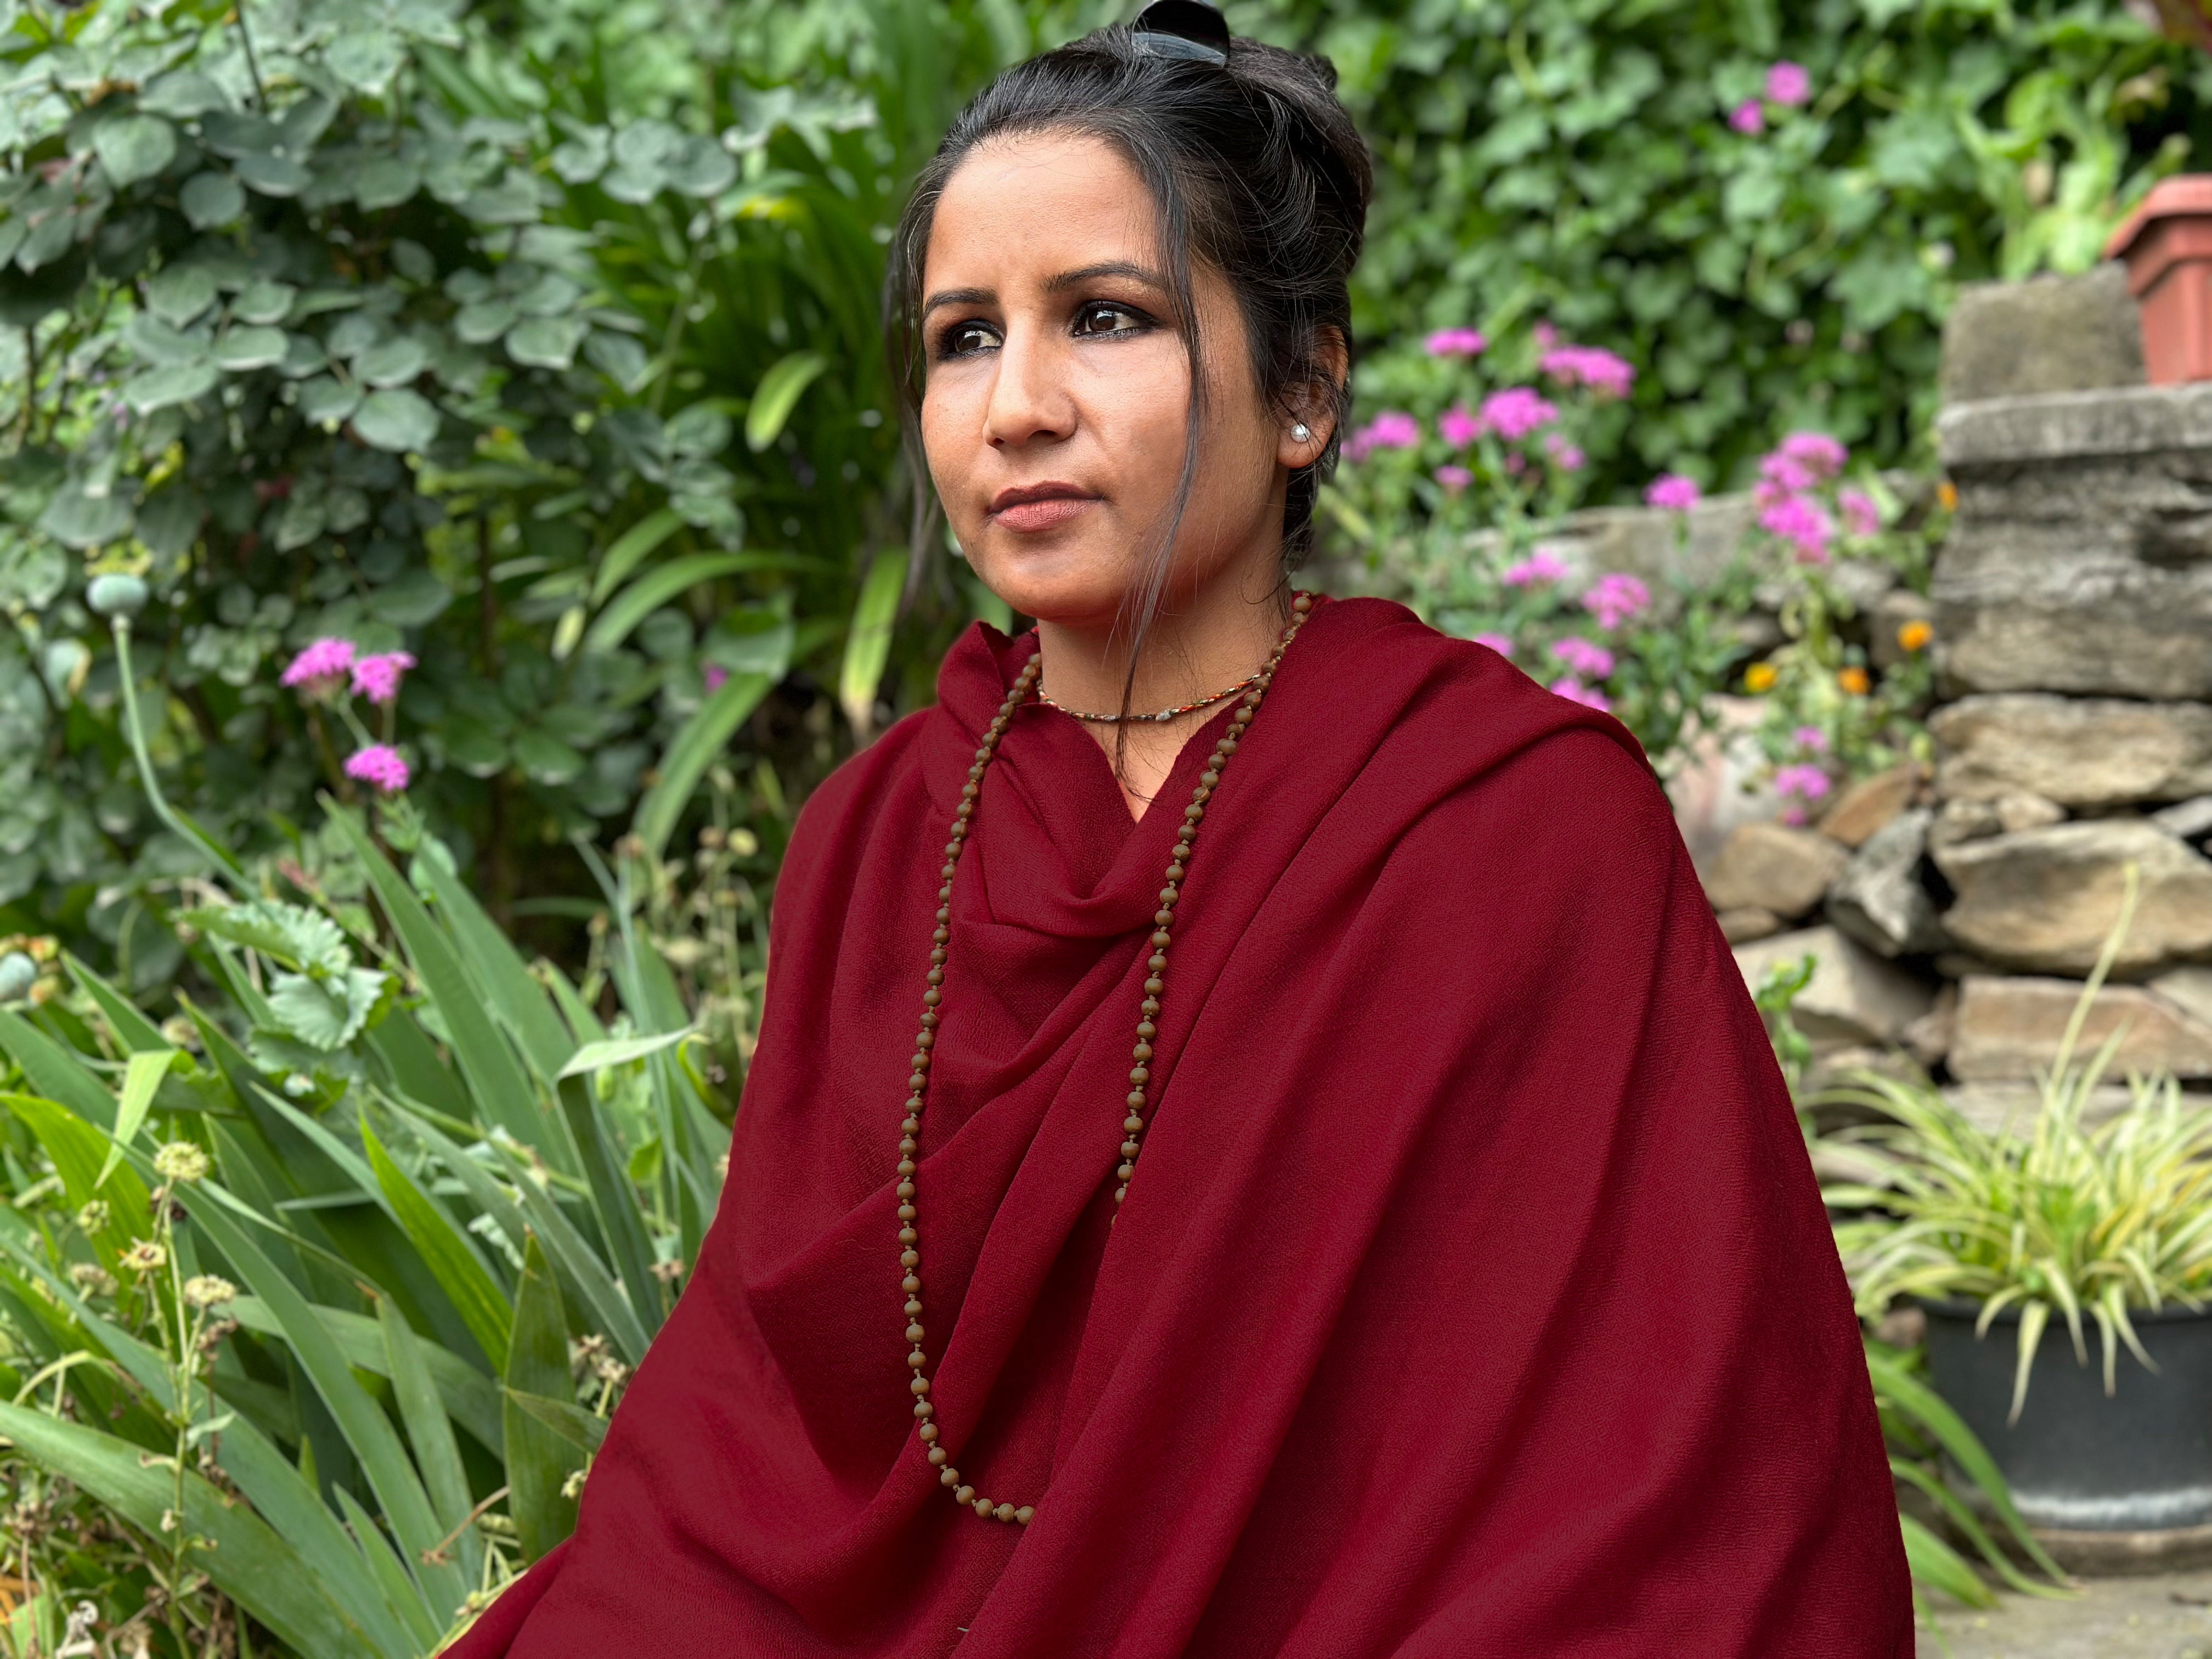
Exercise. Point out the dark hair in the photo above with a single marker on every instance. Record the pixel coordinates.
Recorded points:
(1255, 168)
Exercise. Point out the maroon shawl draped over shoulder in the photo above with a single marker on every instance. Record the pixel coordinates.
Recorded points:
(1473, 1296)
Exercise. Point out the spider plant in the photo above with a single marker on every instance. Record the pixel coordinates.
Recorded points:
(2067, 1221)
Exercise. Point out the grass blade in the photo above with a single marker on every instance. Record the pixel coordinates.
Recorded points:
(451, 1255)
(539, 1460)
(693, 748)
(437, 1454)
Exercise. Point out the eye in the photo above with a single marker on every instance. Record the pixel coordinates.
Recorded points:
(966, 339)
(1105, 317)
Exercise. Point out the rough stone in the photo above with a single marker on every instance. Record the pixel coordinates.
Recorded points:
(1928, 1039)
(2080, 559)
(2191, 819)
(1896, 608)
(2017, 810)
(2047, 334)
(1853, 997)
(2011, 1028)
(1879, 900)
(1865, 807)
(1772, 866)
(2079, 751)
(2043, 900)
(2189, 989)
(1724, 780)
(1741, 927)
(1963, 821)
(2012, 1105)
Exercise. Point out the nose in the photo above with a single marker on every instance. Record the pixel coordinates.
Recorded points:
(1029, 402)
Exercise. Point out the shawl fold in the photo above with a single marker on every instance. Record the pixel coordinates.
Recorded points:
(1473, 1295)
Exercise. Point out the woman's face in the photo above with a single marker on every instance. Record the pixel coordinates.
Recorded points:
(1055, 408)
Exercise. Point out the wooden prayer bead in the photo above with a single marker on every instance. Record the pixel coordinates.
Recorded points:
(1133, 1126)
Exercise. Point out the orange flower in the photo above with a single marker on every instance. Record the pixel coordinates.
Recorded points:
(1947, 493)
(1758, 677)
(1853, 680)
(1915, 634)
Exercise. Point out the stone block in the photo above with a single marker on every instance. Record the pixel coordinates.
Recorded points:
(1853, 997)
(1723, 781)
(1741, 927)
(2012, 1107)
(1896, 608)
(2080, 559)
(2011, 1028)
(2191, 819)
(1773, 866)
(1865, 807)
(1879, 900)
(2043, 901)
(2046, 334)
(2080, 752)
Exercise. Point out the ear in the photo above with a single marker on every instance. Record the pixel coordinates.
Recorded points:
(1313, 405)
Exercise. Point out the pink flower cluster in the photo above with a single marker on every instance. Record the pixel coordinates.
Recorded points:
(1799, 786)
(1616, 597)
(1789, 85)
(377, 677)
(1862, 516)
(1453, 478)
(1456, 342)
(1392, 430)
(1458, 427)
(1565, 455)
(379, 764)
(1801, 464)
(1574, 691)
(1673, 491)
(1541, 566)
(1590, 366)
(1515, 412)
(1501, 643)
(325, 664)
(1586, 657)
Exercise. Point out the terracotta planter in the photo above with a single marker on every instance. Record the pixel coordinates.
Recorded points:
(2168, 243)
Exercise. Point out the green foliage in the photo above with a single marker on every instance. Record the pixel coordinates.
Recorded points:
(1572, 161)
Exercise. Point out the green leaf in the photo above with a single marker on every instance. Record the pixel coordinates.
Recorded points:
(137, 1033)
(140, 1077)
(76, 519)
(212, 200)
(703, 737)
(160, 388)
(777, 394)
(431, 1433)
(134, 147)
(250, 1562)
(545, 759)
(451, 1255)
(385, 181)
(239, 350)
(323, 400)
(176, 293)
(658, 586)
(868, 647)
(586, 1430)
(265, 300)
(631, 547)
(56, 1073)
(539, 1459)
(397, 420)
(182, 93)
(471, 1399)
(326, 1013)
(271, 174)
(546, 342)
(518, 1001)
(620, 1051)
(481, 321)
(305, 940)
(392, 363)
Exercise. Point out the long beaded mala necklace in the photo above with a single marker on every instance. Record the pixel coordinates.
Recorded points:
(1148, 1012)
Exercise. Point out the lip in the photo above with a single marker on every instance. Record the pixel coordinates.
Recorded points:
(1031, 508)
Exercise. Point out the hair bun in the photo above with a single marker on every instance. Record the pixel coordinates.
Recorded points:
(1183, 28)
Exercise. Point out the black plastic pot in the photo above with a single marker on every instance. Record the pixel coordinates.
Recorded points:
(2139, 1460)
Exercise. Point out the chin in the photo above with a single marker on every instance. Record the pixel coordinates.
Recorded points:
(1072, 586)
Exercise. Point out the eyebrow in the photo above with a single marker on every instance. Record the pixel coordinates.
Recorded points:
(1066, 279)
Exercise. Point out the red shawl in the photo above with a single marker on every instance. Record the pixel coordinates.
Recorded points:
(1472, 1295)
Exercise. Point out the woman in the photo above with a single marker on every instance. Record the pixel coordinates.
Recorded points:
(1293, 1172)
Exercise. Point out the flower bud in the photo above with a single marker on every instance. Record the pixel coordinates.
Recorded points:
(18, 972)
(116, 595)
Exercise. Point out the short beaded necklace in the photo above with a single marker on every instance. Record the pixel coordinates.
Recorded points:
(1162, 717)
(1148, 1012)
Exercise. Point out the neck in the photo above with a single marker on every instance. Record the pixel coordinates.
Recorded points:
(1197, 645)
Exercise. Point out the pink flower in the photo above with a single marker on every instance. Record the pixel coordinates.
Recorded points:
(1457, 428)
(1501, 643)
(1802, 523)
(716, 676)
(1454, 478)
(1809, 782)
(1567, 457)
(1787, 84)
(1616, 597)
(321, 667)
(1457, 342)
(1590, 366)
(1673, 491)
(377, 677)
(1810, 738)
(1862, 517)
(1541, 566)
(1816, 452)
(1584, 657)
(1782, 476)
(1515, 412)
(1392, 430)
(379, 764)
(1748, 118)
(1574, 691)
(1544, 335)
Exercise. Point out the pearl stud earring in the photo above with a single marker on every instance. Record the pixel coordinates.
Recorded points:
(1301, 434)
